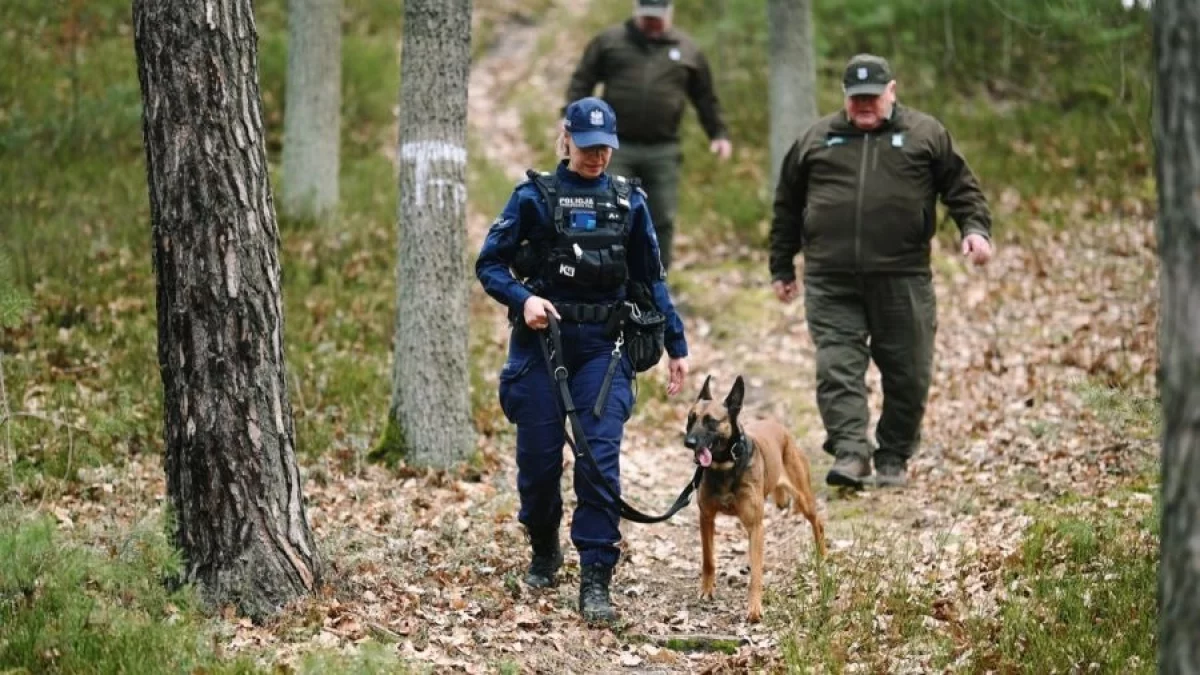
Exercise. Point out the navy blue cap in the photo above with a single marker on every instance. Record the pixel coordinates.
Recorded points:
(591, 122)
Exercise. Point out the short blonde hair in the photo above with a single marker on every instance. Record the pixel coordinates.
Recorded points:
(560, 145)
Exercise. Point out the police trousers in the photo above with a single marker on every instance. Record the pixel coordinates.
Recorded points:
(854, 319)
(529, 398)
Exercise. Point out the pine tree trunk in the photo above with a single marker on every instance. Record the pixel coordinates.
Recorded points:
(312, 109)
(793, 75)
(430, 409)
(231, 467)
(1177, 139)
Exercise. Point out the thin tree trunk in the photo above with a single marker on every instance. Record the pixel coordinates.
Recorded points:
(312, 109)
(230, 460)
(430, 408)
(793, 75)
(1177, 140)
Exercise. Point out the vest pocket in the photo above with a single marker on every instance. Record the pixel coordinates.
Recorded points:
(593, 269)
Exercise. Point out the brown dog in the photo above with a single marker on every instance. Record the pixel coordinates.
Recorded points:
(742, 465)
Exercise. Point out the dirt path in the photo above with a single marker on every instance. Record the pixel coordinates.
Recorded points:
(1002, 370)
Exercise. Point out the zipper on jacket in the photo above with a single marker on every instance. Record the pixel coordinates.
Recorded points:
(646, 85)
(858, 204)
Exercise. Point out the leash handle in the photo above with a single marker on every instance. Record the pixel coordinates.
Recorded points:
(606, 385)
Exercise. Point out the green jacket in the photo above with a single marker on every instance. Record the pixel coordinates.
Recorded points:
(648, 82)
(865, 202)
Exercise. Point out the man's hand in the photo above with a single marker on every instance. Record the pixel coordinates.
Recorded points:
(678, 369)
(721, 147)
(786, 291)
(536, 310)
(977, 248)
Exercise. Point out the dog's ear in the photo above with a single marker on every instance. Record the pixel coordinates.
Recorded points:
(733, 402)
(705, 394)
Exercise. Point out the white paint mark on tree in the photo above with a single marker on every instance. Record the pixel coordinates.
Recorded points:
(423, 155)
(277, 409)
(232, 270)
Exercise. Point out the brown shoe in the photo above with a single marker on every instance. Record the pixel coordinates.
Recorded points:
(848, 471)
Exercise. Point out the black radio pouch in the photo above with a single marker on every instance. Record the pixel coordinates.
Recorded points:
(645, 329)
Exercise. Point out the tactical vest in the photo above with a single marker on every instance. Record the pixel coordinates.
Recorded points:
(591, 226)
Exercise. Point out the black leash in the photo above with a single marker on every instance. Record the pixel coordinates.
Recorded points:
(552, 350)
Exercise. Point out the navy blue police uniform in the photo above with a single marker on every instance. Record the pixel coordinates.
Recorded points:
(527, 393)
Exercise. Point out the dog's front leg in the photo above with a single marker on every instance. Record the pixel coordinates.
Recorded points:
(755, 610)
(708, 554)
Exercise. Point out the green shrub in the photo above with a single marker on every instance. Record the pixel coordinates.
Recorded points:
(69, 609)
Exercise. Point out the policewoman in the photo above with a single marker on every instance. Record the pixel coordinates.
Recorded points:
(574, 244)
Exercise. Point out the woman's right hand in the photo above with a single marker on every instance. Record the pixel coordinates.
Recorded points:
(536, 312)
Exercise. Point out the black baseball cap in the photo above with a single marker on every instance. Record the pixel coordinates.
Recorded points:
(866, 74)
(659, 8)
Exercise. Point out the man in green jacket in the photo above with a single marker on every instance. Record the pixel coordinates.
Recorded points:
(650, 70)
(858, 194)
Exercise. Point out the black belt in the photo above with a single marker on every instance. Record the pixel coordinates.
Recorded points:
(583, 312)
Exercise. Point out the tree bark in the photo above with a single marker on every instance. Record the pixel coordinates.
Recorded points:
(430, 408)
(793, 75)
(1177, 141)
(230, 460)
(312, 109)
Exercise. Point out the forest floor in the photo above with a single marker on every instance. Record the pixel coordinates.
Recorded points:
(431, 563)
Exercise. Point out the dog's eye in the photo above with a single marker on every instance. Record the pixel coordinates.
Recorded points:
(709, 422)
(691, 419)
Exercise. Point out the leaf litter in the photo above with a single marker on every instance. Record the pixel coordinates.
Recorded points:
(430, 563)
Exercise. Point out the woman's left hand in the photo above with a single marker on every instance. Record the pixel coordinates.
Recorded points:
(678, 369)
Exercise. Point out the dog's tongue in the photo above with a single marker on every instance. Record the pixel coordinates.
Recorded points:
(704, 457)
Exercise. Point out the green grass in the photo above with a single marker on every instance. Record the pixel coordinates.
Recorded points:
(856, 609)
(115, 608)
(1080, 590)
(371, 658)
(69, 609)
(1126, 410)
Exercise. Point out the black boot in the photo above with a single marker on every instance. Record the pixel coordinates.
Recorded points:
(594, 604)
(547, 558)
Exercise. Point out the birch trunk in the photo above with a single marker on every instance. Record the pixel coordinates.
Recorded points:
(312, 109)
(429, 421)
(793, 75)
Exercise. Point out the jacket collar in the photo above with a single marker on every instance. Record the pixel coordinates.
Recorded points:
(670, 37)
(896, 122)
(569, 177)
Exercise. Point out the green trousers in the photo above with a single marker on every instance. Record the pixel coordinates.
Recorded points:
(890, 319)
(657, 165)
